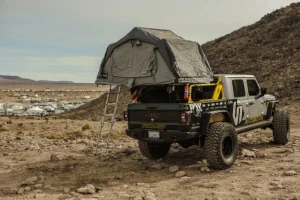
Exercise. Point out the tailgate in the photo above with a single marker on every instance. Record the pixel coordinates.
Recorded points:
(155, 113)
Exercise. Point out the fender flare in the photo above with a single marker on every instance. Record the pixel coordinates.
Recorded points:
(206, 117)
(270, 109)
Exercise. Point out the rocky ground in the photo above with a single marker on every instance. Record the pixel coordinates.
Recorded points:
(55, 159)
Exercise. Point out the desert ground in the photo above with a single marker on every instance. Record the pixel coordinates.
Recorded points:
(54, 158)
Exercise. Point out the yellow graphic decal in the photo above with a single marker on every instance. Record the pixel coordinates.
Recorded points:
(254, 119)
(154, 126)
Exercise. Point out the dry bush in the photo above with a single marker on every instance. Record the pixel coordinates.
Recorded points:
(3, 128)
(86, 127)
(54, 137)
(9, 122)
(72, 135)
(20, 124)
(22, 133)
(77, 133)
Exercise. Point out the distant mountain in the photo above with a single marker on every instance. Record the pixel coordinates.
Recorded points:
(15, 78)
(47, 81)
(7, 79)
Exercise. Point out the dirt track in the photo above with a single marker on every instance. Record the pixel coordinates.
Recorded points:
(27, 145)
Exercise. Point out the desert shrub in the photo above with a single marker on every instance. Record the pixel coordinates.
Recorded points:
(9, 122)
(72, 135)
(22, 133)
(54, 137)
(86, 127)
(3, 128)
(20, 124)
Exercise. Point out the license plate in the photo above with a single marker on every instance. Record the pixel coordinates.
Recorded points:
(153, 134)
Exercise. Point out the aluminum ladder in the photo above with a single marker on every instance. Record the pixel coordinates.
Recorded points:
(106, 115)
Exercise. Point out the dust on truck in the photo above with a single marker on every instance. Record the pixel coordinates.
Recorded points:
(177, 99)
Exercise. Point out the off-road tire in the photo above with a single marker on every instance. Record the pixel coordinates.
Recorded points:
(281, 127)
(220, 145)
(154, 150)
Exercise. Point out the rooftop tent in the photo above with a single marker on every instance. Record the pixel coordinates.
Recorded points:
(152, 56)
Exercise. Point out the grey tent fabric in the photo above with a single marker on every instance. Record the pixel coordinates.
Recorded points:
(153, 56)
(188, 61)
(133, 61)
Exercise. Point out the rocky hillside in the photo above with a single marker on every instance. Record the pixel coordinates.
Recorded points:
(269, 49)
(94, 109)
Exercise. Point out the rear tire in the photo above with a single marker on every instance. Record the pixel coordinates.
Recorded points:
(154, 150)
(281, 127)
(220, 145)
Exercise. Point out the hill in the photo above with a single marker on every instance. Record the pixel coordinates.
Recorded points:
(47, 81)
(269, 49)
(94, 109)
(13, 79)
(7, 79)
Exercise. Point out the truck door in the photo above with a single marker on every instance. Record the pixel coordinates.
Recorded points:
(257, 105)
(240, 108)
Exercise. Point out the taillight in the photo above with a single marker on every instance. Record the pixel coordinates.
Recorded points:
(186, 92)
(126, 115)
(185, 117)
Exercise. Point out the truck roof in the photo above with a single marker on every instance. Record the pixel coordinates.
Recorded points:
(234, 75)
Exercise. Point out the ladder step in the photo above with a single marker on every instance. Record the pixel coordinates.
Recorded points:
(111, 104)
(113, 92)
(108, 122)
(106, 132)
(109, 115)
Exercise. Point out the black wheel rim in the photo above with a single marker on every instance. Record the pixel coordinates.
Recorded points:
(227, 146)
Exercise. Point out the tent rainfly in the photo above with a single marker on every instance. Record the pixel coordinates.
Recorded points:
(151, 57)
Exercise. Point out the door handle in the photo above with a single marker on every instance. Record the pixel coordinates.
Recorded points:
(249, 103)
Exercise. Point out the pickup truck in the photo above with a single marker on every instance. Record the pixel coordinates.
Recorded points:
(209, 115)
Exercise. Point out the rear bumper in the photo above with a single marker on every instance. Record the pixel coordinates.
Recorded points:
(169, 136)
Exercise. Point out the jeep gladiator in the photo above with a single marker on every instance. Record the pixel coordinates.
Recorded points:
(209, 115)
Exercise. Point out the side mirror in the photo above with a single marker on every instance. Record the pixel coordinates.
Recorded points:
(263, 91)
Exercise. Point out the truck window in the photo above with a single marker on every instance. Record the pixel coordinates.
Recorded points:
(253, 88)
(202, 92)
(238, 88)
(154, 94)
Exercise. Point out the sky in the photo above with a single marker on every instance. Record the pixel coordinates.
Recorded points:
(66, 39)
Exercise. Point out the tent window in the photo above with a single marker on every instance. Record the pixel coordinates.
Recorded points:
(133, 61)
(138, 43)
